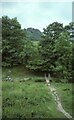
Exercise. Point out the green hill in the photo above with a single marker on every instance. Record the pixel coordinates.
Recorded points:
(34, 34)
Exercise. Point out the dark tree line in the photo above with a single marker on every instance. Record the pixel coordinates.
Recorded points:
(53, 53)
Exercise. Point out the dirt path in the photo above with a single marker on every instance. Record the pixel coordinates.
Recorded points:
(57, 100)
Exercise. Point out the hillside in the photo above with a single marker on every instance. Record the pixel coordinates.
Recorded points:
(34, 34)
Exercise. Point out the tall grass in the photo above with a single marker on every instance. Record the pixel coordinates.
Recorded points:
(28, 99)
(32, 98)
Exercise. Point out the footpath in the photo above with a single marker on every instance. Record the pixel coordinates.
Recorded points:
(57, 100)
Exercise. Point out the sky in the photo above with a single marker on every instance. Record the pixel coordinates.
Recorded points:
(38, 14)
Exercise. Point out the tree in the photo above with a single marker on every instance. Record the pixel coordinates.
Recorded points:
(35, 61)
(12, 40)
(50, 35)
(53, 30)
(70, 29)
(27, 52)
(55, 52)
(63, 48)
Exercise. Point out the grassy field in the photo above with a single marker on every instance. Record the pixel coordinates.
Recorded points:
(23, 99)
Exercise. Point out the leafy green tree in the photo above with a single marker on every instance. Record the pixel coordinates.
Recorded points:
(70, 29)
(27, 52)
(55, 54)
(63, 49)
(35, 61)
(50, 35)
(12, 36)
(70, 26)
(73, 62)
(53, 30)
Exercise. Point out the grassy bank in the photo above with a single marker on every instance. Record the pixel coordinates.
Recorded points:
(30, 98)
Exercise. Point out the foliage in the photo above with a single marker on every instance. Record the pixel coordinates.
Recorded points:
(12, 36)
(51, 53)
(63, 48)
(50, 34)
(53, 30)
(26, 52)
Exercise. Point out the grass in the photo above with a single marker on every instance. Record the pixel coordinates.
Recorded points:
(65, 93)
(28, 99)
(23, 99)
